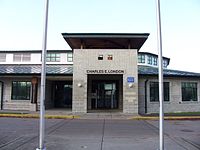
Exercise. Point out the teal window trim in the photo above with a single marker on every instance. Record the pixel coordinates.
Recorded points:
(53, 57)
(70, 57)
(141, 58)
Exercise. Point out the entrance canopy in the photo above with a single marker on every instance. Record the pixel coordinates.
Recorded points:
(105, 40)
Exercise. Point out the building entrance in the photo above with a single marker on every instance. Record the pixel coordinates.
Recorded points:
(63, 94)
(105, 94)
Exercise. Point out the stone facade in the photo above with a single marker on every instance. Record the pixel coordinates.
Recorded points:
(9, 104)
(87, 59)
(175, 103)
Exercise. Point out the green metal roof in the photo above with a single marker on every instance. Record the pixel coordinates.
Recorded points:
(35, 69)
(68, 70)
(153, 71)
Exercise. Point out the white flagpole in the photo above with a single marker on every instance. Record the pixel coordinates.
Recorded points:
(43, 81)
(161, 113)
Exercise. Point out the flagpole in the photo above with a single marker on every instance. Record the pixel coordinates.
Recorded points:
(43, 81)
(161, 113)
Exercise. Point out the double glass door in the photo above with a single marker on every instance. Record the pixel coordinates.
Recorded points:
(104, 95)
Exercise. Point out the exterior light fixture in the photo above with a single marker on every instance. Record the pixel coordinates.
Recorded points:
(130, 85)
(79, 85)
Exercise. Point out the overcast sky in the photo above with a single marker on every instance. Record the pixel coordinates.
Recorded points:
(21, 25)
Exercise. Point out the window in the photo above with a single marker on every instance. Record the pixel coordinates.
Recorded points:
(21, 57)
(69, 57)
(189, 91)
(154, 91)
(21, 90)
(141, 58)
(165, 63)
(155, 61)
(110, 57)
(100, 57)
(2, 57)
(150, 60)
(53, 57)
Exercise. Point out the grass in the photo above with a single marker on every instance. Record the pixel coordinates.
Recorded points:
(177, 114)
(184, 113)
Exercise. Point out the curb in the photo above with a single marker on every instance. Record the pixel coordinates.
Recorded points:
(79, 117)
(167, 118)
(37, 116)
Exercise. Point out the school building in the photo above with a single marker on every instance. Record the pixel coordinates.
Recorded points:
(103, 72)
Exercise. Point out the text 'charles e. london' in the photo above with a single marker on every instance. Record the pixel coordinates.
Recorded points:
(105, 71)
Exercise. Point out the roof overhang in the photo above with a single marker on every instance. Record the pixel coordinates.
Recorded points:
(105, 40)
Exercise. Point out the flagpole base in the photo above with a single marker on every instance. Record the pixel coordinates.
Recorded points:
(41, 149)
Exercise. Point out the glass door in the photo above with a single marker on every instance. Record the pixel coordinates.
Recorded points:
(106, 95)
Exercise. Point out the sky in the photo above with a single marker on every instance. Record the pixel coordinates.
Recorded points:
(22, 21)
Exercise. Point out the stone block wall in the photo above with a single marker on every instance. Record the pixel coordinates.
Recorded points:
(175, 103)
(87, 59)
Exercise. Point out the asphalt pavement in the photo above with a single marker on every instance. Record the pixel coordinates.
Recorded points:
(98, 134)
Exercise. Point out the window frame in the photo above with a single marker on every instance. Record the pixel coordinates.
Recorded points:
(69, 58)
(141, 58)
(53, 57)
(183, 91)
(18, 89)
(165, 63)
(166, 90)
(155, 61)
(21, 57)
(149, 60)
(3, 57)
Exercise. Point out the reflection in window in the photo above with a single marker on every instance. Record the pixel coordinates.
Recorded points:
(21, 90)
(150, 60)
(69, 57)
(189, 91)
(141, 58)
(154, 91)
(165, 63)
(53, 57)
(155, 61)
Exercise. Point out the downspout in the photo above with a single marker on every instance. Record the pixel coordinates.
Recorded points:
(2, 85)
(145, 102)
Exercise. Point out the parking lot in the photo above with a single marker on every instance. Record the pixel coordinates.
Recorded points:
(98, 134)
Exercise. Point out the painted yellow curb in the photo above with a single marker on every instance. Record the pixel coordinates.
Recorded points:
(166, 118)
(37, 116)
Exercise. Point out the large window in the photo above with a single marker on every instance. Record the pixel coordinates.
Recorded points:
(141, 58)
(154, 91)
(69, 57)
(53, 57)
(189, 91)
(2, 57)
(18, 57)
(21, 90)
